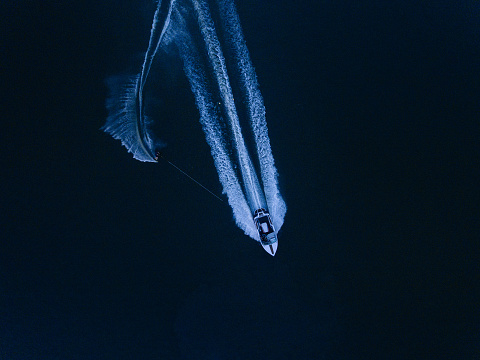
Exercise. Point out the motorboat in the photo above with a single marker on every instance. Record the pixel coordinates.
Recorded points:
(266, 231)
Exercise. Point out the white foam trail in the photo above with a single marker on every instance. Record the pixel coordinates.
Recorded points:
(211, 126)
(162, 17)
(256, 108)
(252, 188)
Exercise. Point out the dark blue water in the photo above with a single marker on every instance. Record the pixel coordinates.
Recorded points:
(372, 110)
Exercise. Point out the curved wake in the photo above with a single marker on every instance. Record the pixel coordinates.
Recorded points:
(126, 119)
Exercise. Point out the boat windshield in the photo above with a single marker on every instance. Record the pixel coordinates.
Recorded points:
(264, 225)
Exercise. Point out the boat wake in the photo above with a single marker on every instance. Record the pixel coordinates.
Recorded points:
(217, 64)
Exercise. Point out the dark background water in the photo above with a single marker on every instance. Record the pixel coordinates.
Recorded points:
(373, 112)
